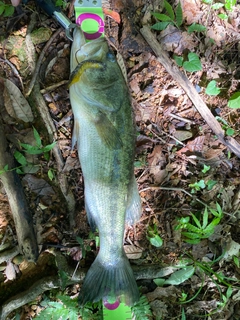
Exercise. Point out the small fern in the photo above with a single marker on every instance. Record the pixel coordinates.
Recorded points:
(142, 310)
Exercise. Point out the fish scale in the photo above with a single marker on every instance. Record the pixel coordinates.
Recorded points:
(105, 135)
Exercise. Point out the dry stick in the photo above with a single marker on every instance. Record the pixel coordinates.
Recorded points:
(15, 71)
(53, 282)
(40, 59)
(184, 82)
(21, 214)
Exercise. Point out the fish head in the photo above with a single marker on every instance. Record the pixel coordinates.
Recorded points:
(82, 50)
(93, 64)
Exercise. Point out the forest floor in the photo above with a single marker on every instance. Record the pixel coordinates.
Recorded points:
(188, 179)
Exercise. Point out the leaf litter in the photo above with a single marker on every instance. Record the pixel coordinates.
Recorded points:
(173, 145)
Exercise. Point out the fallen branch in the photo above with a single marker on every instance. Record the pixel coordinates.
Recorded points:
(21, 214)
(184, 82)
(53, 282)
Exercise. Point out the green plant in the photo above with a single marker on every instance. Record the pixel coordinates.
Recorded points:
(227, 4)
(37, 149)
(196, 27)
(200, 228)
(197, 186)
(191, 65)
(234, 101)
(228, 130)
(6, 10)
(84, 247)
(205, 168)
(201, 184)
(173, 18)
(64, 308)
(177, 277)
(153, 237)
(141, 309)
(212, 89)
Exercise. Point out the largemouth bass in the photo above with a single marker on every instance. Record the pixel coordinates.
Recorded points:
(105, 135)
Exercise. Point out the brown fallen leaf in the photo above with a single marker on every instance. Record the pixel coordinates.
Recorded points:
(15, 103)
(133, 252)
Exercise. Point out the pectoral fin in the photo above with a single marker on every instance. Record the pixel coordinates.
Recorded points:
(75, 134)
(107, 132)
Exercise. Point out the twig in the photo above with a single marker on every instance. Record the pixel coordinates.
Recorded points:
(174, 189)
(15, 71)
(181, 118)
(40, 59)
(54, 86)
(184, 82)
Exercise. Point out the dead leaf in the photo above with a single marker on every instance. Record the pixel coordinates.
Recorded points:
(133, 252)
(15, 103)
(10, 271)
(191, 11)
(196, 144)
(182, 135)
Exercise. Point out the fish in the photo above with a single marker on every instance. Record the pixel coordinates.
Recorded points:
(105, 133)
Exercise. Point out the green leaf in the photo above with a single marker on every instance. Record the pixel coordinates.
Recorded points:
(217, 6)
(179, 14)
(210, 184)
(9, 10)
(159, 282)
(50, 174)
(197, 222)
(178, 60)
(159, 26)
(169, 10)
(180, 276)
(37, 138)
(205, 218)
(230, 132)
(49, 147)
(156, 241)
(195, 27)
(234, 101)
(207, 1)
(212, 89)
(192, 235)
(193, 64)
(219, 210)
(229, 4)
(236, 261)
(31, 149)
(223, 16)
(2, 8)
(161, 16)
(20, 158)
(5, 169)
(206, 168)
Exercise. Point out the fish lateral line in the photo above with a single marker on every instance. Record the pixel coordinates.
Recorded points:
(82, 66)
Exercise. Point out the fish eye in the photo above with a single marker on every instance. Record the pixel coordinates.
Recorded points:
(111, 57)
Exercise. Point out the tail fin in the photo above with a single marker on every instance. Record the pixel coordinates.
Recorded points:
(109, 282)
